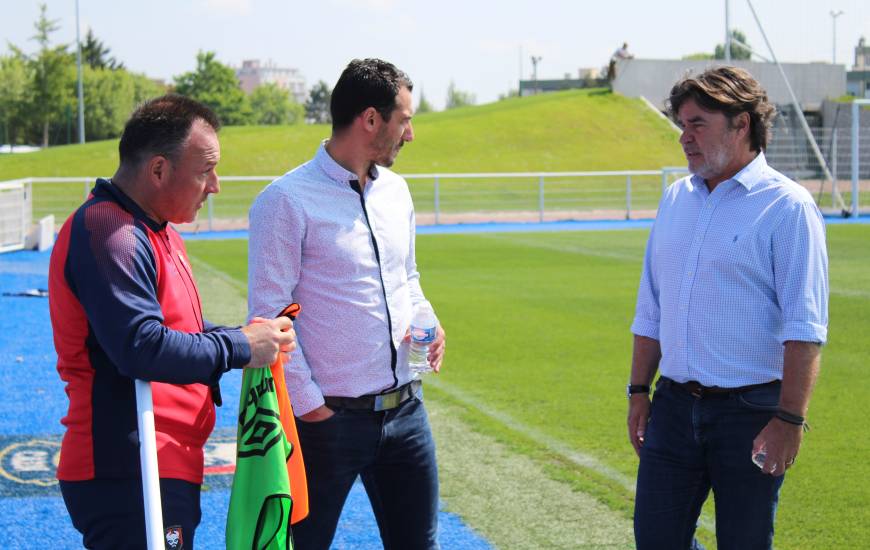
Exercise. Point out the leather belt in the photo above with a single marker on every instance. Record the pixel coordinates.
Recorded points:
(695, 389)
(378, 402)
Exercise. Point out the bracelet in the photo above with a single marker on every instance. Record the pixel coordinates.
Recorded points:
(794, 419)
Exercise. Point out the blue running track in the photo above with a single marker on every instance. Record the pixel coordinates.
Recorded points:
(32, 401)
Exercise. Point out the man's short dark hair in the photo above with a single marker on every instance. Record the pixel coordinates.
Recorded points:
(160, 126)
(730, 91)
(366, 83)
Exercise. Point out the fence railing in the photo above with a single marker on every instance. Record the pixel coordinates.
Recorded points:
(438, 198)
(448, 198)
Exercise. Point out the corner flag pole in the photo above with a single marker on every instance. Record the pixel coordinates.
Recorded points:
(148, 459)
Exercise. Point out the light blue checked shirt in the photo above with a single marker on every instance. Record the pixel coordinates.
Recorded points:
(729, 276)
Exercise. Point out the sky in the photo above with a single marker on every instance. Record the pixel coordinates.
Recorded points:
(483, 47)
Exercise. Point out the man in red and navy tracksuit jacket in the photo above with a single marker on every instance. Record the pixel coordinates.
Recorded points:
(124, 306)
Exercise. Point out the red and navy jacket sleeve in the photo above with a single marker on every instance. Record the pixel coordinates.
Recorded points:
(112, 270)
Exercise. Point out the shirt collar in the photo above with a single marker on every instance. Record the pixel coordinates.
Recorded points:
(748, 176)
(752, 172)
(337, 172)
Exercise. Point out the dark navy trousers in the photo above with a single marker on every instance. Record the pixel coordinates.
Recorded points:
(109, 513)
(394, 454)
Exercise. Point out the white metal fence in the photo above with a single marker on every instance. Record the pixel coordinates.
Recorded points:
(438, 198)
(445, 198)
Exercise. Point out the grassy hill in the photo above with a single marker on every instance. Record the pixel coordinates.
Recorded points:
(573, 130)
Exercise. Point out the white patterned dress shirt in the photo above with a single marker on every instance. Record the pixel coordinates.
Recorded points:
(729, 276)
(348, 260)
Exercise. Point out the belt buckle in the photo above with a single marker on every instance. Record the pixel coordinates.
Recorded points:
(388, 401)
(697, 391)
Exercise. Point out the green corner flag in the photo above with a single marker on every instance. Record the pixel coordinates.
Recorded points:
(260, 504)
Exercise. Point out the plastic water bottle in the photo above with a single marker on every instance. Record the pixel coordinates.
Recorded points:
(423, 330)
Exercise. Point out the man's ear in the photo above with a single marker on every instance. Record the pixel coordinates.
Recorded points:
(371, 119)
(742, 123)
(157, 170)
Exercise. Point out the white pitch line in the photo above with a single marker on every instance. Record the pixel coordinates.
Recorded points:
(208, 269)
(578, 458)
(572, 249)
(551, 444)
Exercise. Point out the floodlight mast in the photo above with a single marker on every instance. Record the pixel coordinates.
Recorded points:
(834, 16)
(535, 60)
(727, 32)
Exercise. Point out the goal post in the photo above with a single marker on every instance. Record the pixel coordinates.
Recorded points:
(856, 127)
(16, 213)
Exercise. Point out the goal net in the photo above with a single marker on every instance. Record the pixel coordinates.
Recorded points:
(16, 212)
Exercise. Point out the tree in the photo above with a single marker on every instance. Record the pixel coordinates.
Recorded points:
(49, 66)
(96, 54)
(272, 104)
(737, 51)
(216, 85)
(14, 97)
(424, 106)
(458, 98)
(317, 106)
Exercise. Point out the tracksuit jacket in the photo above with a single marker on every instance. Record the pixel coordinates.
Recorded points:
(124, 306)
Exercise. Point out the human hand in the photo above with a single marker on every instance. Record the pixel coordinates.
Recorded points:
(638, 417)
(268, 337)
(780, 441)
(436, 349)
(319, 414)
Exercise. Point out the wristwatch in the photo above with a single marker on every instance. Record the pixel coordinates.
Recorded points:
(632, 389)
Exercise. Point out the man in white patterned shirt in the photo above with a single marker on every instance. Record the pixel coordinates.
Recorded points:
(732, 311)
(337, 235)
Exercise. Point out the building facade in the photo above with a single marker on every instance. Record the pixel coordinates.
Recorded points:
(253, 73)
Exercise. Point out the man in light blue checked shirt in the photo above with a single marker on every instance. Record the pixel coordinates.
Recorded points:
(732, 310)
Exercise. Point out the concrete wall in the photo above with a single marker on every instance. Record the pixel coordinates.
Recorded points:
(653, 78)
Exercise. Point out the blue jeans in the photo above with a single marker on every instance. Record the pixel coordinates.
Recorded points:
(394, 453)
(693, 445)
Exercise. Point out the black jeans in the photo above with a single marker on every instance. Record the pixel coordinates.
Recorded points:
(110, 514)
(394, 453)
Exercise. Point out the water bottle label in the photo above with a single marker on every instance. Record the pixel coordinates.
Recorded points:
(423, 335)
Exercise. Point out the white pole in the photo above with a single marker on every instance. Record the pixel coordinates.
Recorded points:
(727, 33)
(798, 111)
(148, 459)
(80, 89)
(437, 201)
(210, 204)
(856, 127)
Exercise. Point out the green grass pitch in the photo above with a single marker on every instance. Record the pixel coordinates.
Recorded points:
(538, 355)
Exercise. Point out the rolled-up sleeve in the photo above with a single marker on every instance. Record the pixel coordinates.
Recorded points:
(800, 264)
(647, 316)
